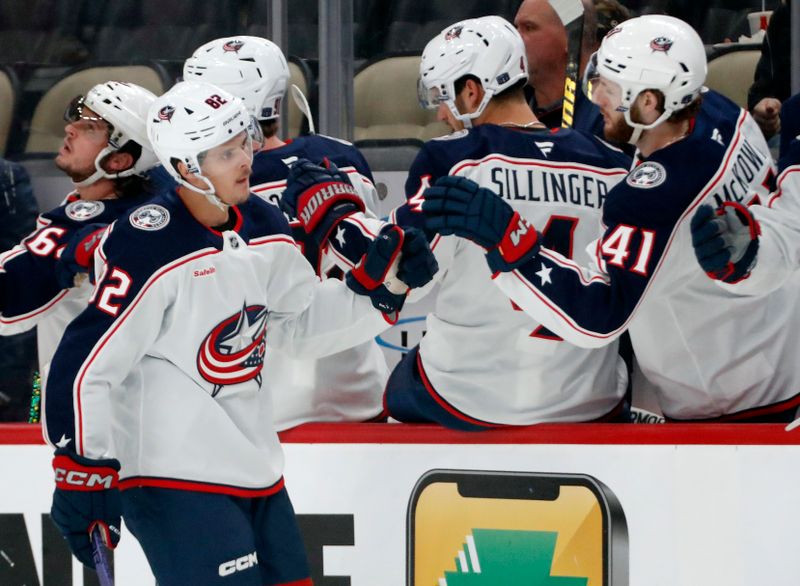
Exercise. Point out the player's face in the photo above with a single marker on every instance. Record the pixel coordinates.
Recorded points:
(545, 39)
(443, 114)
(85, 135)
(608, 97)
(228, 167)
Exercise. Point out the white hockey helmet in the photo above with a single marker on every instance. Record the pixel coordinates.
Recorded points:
(652, 52)
(124, 107)
(251, 68)
(190, 119)
(489, 47)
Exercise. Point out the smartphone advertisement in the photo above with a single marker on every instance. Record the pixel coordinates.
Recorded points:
(480, 528)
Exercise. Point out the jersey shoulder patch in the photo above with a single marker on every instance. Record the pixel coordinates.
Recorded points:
(149, 217)
(83, 210)
(647, 175)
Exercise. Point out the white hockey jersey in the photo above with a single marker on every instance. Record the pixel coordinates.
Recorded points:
(484, 358)
(706, 352)
(164, 368)
(778, 256)
(348, 385)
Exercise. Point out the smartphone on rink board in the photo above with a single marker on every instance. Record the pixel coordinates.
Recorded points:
(483, 528)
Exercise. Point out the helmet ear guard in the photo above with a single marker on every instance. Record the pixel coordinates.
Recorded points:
(489, 48)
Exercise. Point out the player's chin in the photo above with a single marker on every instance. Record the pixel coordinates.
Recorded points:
(239, 191)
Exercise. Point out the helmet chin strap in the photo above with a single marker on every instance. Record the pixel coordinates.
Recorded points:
(467, 119)
(209, 193)
(99, 172)
(638, 128)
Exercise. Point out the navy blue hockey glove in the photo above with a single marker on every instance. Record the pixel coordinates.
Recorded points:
(457, 205)
(417, 264)
(725, 241)
(319, 196)
(77, 256)
(86, 496)
(372, 271)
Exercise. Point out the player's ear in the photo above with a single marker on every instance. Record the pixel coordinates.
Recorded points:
(183, 170)
(473, 93)
(118, 161)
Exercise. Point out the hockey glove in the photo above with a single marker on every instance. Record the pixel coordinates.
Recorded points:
(375, 268)
(725, 241)
(86, 497)
(417, 264)
(457, 205)
(76, 258)
(319, 196)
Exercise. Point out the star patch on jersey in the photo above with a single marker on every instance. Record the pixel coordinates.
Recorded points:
(647, 175)
(150, 217)
(83, 210)
(234, 350)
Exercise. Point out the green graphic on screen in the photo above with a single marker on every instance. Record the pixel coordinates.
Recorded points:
(490, 541)
(492, 557)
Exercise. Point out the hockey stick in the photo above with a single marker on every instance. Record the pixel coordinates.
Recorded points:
(101, 563)
(571, 14)
(301, 102)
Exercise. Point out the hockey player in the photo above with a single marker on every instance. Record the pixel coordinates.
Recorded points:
(105, 153)
(482, 362)
(156, 405)
(346, 386)
(709, 355)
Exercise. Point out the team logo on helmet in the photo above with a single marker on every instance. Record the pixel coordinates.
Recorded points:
(233, 46)
(166, 113)
(647, 175)
(82, 210)
(663, 44)
(234, 350)
(150, 217)
(453, 33)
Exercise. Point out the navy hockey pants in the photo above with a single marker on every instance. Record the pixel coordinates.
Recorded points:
(206, 539)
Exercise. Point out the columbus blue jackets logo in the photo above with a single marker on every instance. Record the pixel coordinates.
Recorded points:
(453, 33)
(150, 217)
(234, 350)
(166, 113)
(233, 46)
(647, 175)
(84, 210)
(662, 44)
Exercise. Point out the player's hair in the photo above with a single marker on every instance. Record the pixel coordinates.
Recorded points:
(269, 128)
(132, 185)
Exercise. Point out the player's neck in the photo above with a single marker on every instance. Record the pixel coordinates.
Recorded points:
(273, 142)
(201, 208)
(508, 113)
(662, 136)
(100, 189)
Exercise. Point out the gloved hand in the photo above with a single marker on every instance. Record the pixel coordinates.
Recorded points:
(417, 264)
(725, 241)
(86, 496)
(457, 205)
(76, 258)
(374, 269)
(319, 196)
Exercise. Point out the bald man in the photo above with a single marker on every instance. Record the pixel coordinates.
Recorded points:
(545, 41)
